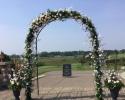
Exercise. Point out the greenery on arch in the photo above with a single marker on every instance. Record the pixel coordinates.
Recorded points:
(45, 18)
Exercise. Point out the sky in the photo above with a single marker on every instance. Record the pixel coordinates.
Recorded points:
(16, 17)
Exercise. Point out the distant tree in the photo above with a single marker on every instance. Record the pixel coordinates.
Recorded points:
(43, 54)
(122, 51)
(14, 56)
(7, 58)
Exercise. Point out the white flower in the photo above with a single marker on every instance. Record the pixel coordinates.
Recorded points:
(14, 75)
(33, 21)
(100, 55)
(113, 77)
(17, 83)
(94, 64)
(12, 82)
(109, 81)
(27, 83)
(12, 69)
(92, 57)
(117, 81)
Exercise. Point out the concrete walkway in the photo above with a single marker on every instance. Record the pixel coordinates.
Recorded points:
(122, 75)
(56, 87)
(53, 86)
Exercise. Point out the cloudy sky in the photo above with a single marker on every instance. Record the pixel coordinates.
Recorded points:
(16, 16)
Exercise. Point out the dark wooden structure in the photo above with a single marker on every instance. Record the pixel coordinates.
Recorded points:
(67, 70)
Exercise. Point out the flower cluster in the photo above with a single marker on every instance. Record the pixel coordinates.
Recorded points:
(113, 81)
(15, 82)
(17, 78)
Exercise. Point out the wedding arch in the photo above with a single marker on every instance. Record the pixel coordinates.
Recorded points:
(50, 16)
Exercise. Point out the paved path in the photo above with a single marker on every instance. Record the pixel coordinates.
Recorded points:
(122, 75)
(55, 87)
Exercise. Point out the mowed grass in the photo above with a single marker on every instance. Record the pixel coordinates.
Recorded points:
(75, 67)
(119, 55)
(47, 64)
(59, 60)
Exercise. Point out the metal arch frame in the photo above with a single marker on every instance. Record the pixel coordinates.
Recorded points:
(36, 55)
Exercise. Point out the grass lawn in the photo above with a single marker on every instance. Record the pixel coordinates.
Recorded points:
(47, 64)
(76, 66)
(119, 55)
(57, 61)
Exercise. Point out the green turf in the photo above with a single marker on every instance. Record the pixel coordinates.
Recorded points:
(47, 64)
(76, 66)
(119, 55)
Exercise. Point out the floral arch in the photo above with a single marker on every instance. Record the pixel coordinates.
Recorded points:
(45, 18)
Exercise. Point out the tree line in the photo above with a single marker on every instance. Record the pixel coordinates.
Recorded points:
(70, 53)
(75, 53)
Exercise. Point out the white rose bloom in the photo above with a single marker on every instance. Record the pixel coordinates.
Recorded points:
(92, 56)
(17, 83)
(14, 75)
(12, 69)
(117, 81)
(12, 82)
(100, 55)
(109, 81)
(113, 77)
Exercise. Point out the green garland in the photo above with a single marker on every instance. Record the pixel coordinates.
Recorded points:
(45, 18)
